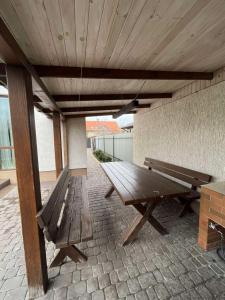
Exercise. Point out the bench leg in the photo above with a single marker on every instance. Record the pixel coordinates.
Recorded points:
(186, 208)
(72, 252)
(75, 254)
(109, 193)
(58, 260)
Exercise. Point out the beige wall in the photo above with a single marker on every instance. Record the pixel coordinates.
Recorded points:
(77, 143)
(45, 149)
(188, 130)
(45, 142)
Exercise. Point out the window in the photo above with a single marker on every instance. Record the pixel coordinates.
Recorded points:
(7, 159)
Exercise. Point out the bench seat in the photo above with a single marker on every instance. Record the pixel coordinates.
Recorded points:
(194, 178)
(65, 218)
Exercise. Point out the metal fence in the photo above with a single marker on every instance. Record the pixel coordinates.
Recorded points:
(118, 146)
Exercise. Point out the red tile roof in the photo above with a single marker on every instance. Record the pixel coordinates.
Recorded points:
(111, 126)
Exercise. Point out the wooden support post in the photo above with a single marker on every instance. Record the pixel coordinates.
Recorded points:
(23, 126)
(57, 143)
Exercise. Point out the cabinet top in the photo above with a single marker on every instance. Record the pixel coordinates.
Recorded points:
(218, 187)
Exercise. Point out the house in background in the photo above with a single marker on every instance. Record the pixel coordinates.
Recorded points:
(98, 128)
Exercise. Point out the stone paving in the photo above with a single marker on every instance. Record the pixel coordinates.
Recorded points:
(153, 267)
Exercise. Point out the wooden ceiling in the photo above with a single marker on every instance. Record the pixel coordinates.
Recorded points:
(169, 35)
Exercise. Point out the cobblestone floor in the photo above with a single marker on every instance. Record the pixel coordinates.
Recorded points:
(153, 267)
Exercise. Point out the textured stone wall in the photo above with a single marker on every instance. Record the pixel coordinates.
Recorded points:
(186, 130)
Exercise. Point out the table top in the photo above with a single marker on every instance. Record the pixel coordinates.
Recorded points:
(135, 184)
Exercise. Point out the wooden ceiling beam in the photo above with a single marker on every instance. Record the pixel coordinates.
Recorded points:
(94, 108)
(93, 115)
(12, 54)
(102, 97)
(77, 72)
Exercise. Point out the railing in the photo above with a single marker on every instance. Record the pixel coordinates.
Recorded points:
(7, 158)
(118, 146)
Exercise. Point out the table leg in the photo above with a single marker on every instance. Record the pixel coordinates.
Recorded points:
(139, 221)
(133, 230)
(109, 193)
(142, 209)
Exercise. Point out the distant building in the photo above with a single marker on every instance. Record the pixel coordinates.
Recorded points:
(98, 128)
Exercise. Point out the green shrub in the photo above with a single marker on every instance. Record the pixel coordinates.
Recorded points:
(101, 156)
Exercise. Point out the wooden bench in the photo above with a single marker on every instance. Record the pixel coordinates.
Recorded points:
(65, 218)
(191, 177)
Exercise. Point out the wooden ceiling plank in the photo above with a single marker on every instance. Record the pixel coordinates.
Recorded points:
(67, 9)
(153, 25)
(54, 16)
(122, 12)
(11, 53)
(192, 39)
(131, 20)
(41, 21)
(175, 30)
(81, 25)
(28, 29)
(94, 23)
(107, 19)
(76, 72)
(11, 19)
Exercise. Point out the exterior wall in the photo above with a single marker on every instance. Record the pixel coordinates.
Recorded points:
(187, 130)
(45, 147)
(77, 143)
(45, 142)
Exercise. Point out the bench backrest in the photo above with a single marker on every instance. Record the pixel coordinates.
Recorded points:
(192, 177)
(50, 214)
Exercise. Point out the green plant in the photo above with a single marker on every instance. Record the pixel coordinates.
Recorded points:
(101, 156)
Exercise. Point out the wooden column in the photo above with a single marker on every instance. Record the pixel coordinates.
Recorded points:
(23, 127)
(57, 143)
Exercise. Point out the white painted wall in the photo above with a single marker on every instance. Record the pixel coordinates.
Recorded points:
(45, 142)
(77, 143)
(189, 131)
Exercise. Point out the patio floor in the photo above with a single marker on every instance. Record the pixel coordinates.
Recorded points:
(153, 267)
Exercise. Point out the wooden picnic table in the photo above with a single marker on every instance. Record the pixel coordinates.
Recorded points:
(142, 188)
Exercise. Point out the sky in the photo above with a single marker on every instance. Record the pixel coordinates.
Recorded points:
(122, 121)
